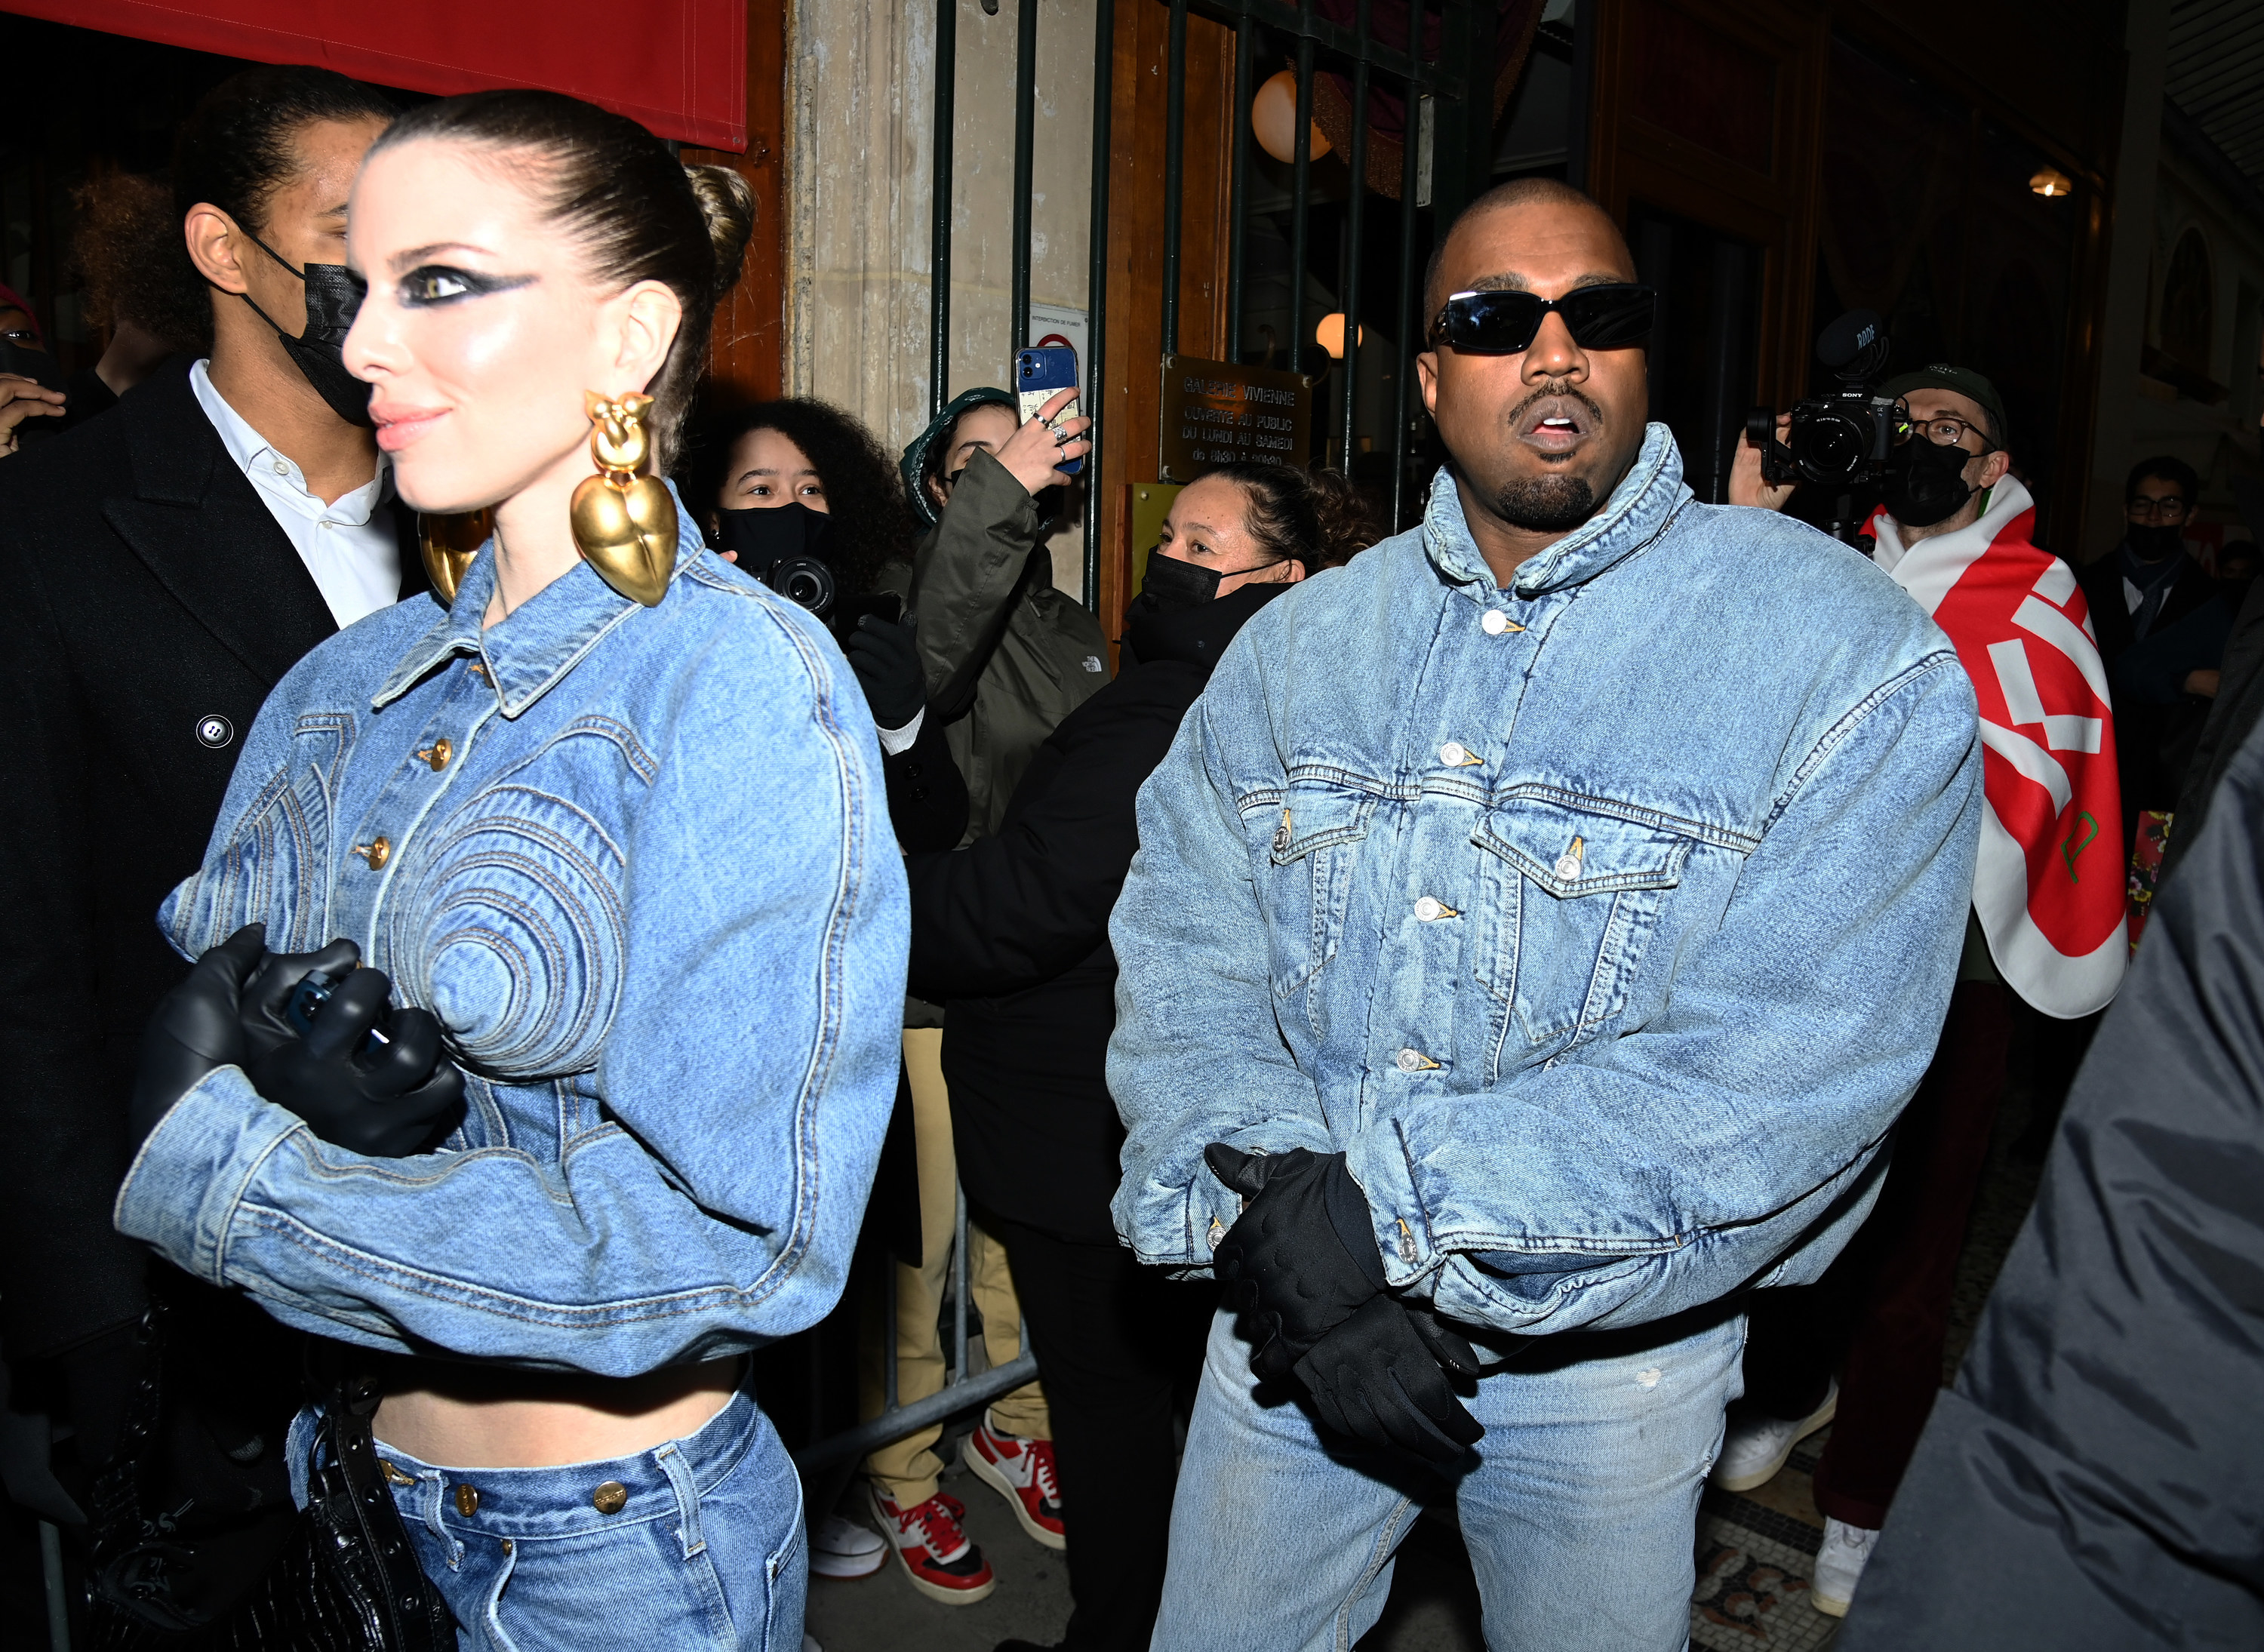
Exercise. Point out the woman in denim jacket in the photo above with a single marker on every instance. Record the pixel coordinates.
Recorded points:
(633, 855)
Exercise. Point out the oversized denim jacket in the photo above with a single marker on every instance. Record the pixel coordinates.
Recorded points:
(1605, 922)
(637, 861)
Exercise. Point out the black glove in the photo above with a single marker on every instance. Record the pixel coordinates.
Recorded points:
(385, 1101)
(1299, 1261)
(264, 1012)
(192, 1030)
(887, 667)
(1378, 1378)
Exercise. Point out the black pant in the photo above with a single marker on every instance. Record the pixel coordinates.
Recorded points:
(1115, 1342)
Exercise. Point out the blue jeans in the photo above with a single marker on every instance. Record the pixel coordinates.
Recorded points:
(705, 1551)
(1579, 1509)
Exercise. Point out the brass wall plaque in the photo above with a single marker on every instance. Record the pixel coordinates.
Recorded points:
(1217, 412)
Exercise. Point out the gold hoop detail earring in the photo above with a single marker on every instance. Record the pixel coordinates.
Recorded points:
(624, 523)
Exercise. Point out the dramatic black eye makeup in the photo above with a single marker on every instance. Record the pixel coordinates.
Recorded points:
(429, 284)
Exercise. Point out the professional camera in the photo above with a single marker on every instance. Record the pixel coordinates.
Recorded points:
(1840, 441)
(803, 579)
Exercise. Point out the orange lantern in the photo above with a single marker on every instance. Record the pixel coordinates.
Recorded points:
(1274, 119)
(1330, 335)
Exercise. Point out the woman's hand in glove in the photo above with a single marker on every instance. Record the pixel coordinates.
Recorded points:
(265, 1013)
(385, 1101)
(1299, 1261)
(1381, 1378)
(887, 667)
(193, 1031)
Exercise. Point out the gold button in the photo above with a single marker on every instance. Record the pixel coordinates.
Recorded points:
(467, 1501)
(377, 852)
(437, 754)
(394, 1475)
(611, 1498)
(478, 669)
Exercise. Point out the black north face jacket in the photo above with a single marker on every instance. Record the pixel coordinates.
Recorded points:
(2096, 1478)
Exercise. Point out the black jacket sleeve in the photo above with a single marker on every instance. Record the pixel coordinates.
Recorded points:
(1016, 909)
(2096, 1478)
(928, 795)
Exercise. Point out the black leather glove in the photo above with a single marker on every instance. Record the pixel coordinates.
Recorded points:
(887, 667)
(386, 1100)
(1299, 1261)
(1381, 1378)
(192, 1030)
(264, 1012)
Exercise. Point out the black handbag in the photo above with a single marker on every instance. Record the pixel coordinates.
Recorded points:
(344, 1579)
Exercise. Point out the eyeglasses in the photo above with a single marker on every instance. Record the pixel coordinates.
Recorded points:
(2145, 509)
(1943, 431)
(1612, 315)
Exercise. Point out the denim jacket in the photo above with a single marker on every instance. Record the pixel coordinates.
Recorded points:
(1605, 922)
(638, 863)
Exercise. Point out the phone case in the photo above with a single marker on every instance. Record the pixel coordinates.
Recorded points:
(1039, 375)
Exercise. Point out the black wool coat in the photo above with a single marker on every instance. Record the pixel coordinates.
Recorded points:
(147, 604)
(1011, 933)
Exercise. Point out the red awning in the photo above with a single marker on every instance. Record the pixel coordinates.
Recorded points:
(677, 66)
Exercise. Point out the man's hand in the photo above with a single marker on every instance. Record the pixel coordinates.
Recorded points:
(193, 1032)
(1381, 1378)
(1745, 484)
(1033, 453)
(1292, 1271)
(384, 1102)
(21, 399)
(2204, 683)
(265, 1012)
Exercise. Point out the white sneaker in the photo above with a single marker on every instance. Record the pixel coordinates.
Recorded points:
(1755, 1448)
(1839, 1566)
(842, 1548)
(809, 1644)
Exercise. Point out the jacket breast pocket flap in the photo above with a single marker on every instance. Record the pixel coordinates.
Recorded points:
(1571, 851)
(1306, 876)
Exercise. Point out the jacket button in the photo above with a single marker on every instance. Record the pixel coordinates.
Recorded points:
(1455, 755)
(377, 851)
(1495, 623)
(467, 1501)
(1430, 909)
(437, 754)
(1413, 1061)
(610, 1498)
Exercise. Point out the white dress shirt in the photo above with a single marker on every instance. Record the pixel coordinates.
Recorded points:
(348, 545)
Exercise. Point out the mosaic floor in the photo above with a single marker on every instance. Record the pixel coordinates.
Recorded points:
(1755, 1553)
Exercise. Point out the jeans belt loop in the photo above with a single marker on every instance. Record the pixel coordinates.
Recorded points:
(671, 1459)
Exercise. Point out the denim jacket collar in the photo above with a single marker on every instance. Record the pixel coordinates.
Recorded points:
(1637, 512)
(541, 640)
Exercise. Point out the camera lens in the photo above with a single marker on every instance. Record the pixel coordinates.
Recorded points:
(1831, 448)
(803, 580)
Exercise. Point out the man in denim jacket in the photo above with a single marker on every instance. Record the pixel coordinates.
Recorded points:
(1537, 927)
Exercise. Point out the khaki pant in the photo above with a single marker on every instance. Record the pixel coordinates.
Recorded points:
(905, 1470)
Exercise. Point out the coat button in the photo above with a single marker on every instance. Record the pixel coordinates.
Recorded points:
(215, 730)
(467, 1501)
(610, 1498)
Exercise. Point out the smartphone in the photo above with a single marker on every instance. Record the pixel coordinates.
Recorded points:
(1039, 376)
(308, 997)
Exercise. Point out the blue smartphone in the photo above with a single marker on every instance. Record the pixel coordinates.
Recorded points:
(1039, 375)
(308, 997)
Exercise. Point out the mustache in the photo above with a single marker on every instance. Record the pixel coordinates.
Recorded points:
(1561, 393)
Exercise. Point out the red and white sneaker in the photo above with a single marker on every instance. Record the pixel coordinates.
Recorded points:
(942, 1562)
(1022, 1471)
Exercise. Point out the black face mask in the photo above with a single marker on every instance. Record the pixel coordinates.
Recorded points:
(2151, 542)
(1926, 483)
(334, 295)
(1170, 585)
(784, 546)
(25, 362)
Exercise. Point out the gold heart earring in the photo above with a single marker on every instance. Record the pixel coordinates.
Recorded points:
(625, 523)
(449, 543)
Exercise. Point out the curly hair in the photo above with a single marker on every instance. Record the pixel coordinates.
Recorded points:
(1314, 517)
(128, 248)
(872, 523)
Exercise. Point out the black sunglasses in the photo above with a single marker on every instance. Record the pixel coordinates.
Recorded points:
(1609, 317)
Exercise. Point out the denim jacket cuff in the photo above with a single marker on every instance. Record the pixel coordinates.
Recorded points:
(191, 1176)
(1401, 1222)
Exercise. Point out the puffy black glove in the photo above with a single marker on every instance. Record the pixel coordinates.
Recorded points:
(1377, 1378)
(264, 1012)
(1300, 1260)
(192, 1030)
(887, 664)
(386, 1101)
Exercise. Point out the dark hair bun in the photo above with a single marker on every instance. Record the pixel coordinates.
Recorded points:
(726, 202)
(1314, 517)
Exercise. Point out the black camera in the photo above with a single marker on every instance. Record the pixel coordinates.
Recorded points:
(805, 579)
(1841, 440)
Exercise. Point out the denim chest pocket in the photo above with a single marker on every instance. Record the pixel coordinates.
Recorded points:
(508, 921)
(1305, 872)
(1569, 898)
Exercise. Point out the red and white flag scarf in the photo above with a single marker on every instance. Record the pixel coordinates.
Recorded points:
(2048, 883)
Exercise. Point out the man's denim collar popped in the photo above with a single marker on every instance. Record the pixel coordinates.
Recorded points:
(1639, 509)
(543, 637)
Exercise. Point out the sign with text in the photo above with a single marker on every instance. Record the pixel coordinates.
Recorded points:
(1218, 412)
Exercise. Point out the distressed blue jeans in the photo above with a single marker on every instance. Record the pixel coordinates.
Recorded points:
(1579, 1509)
(696, 1544)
